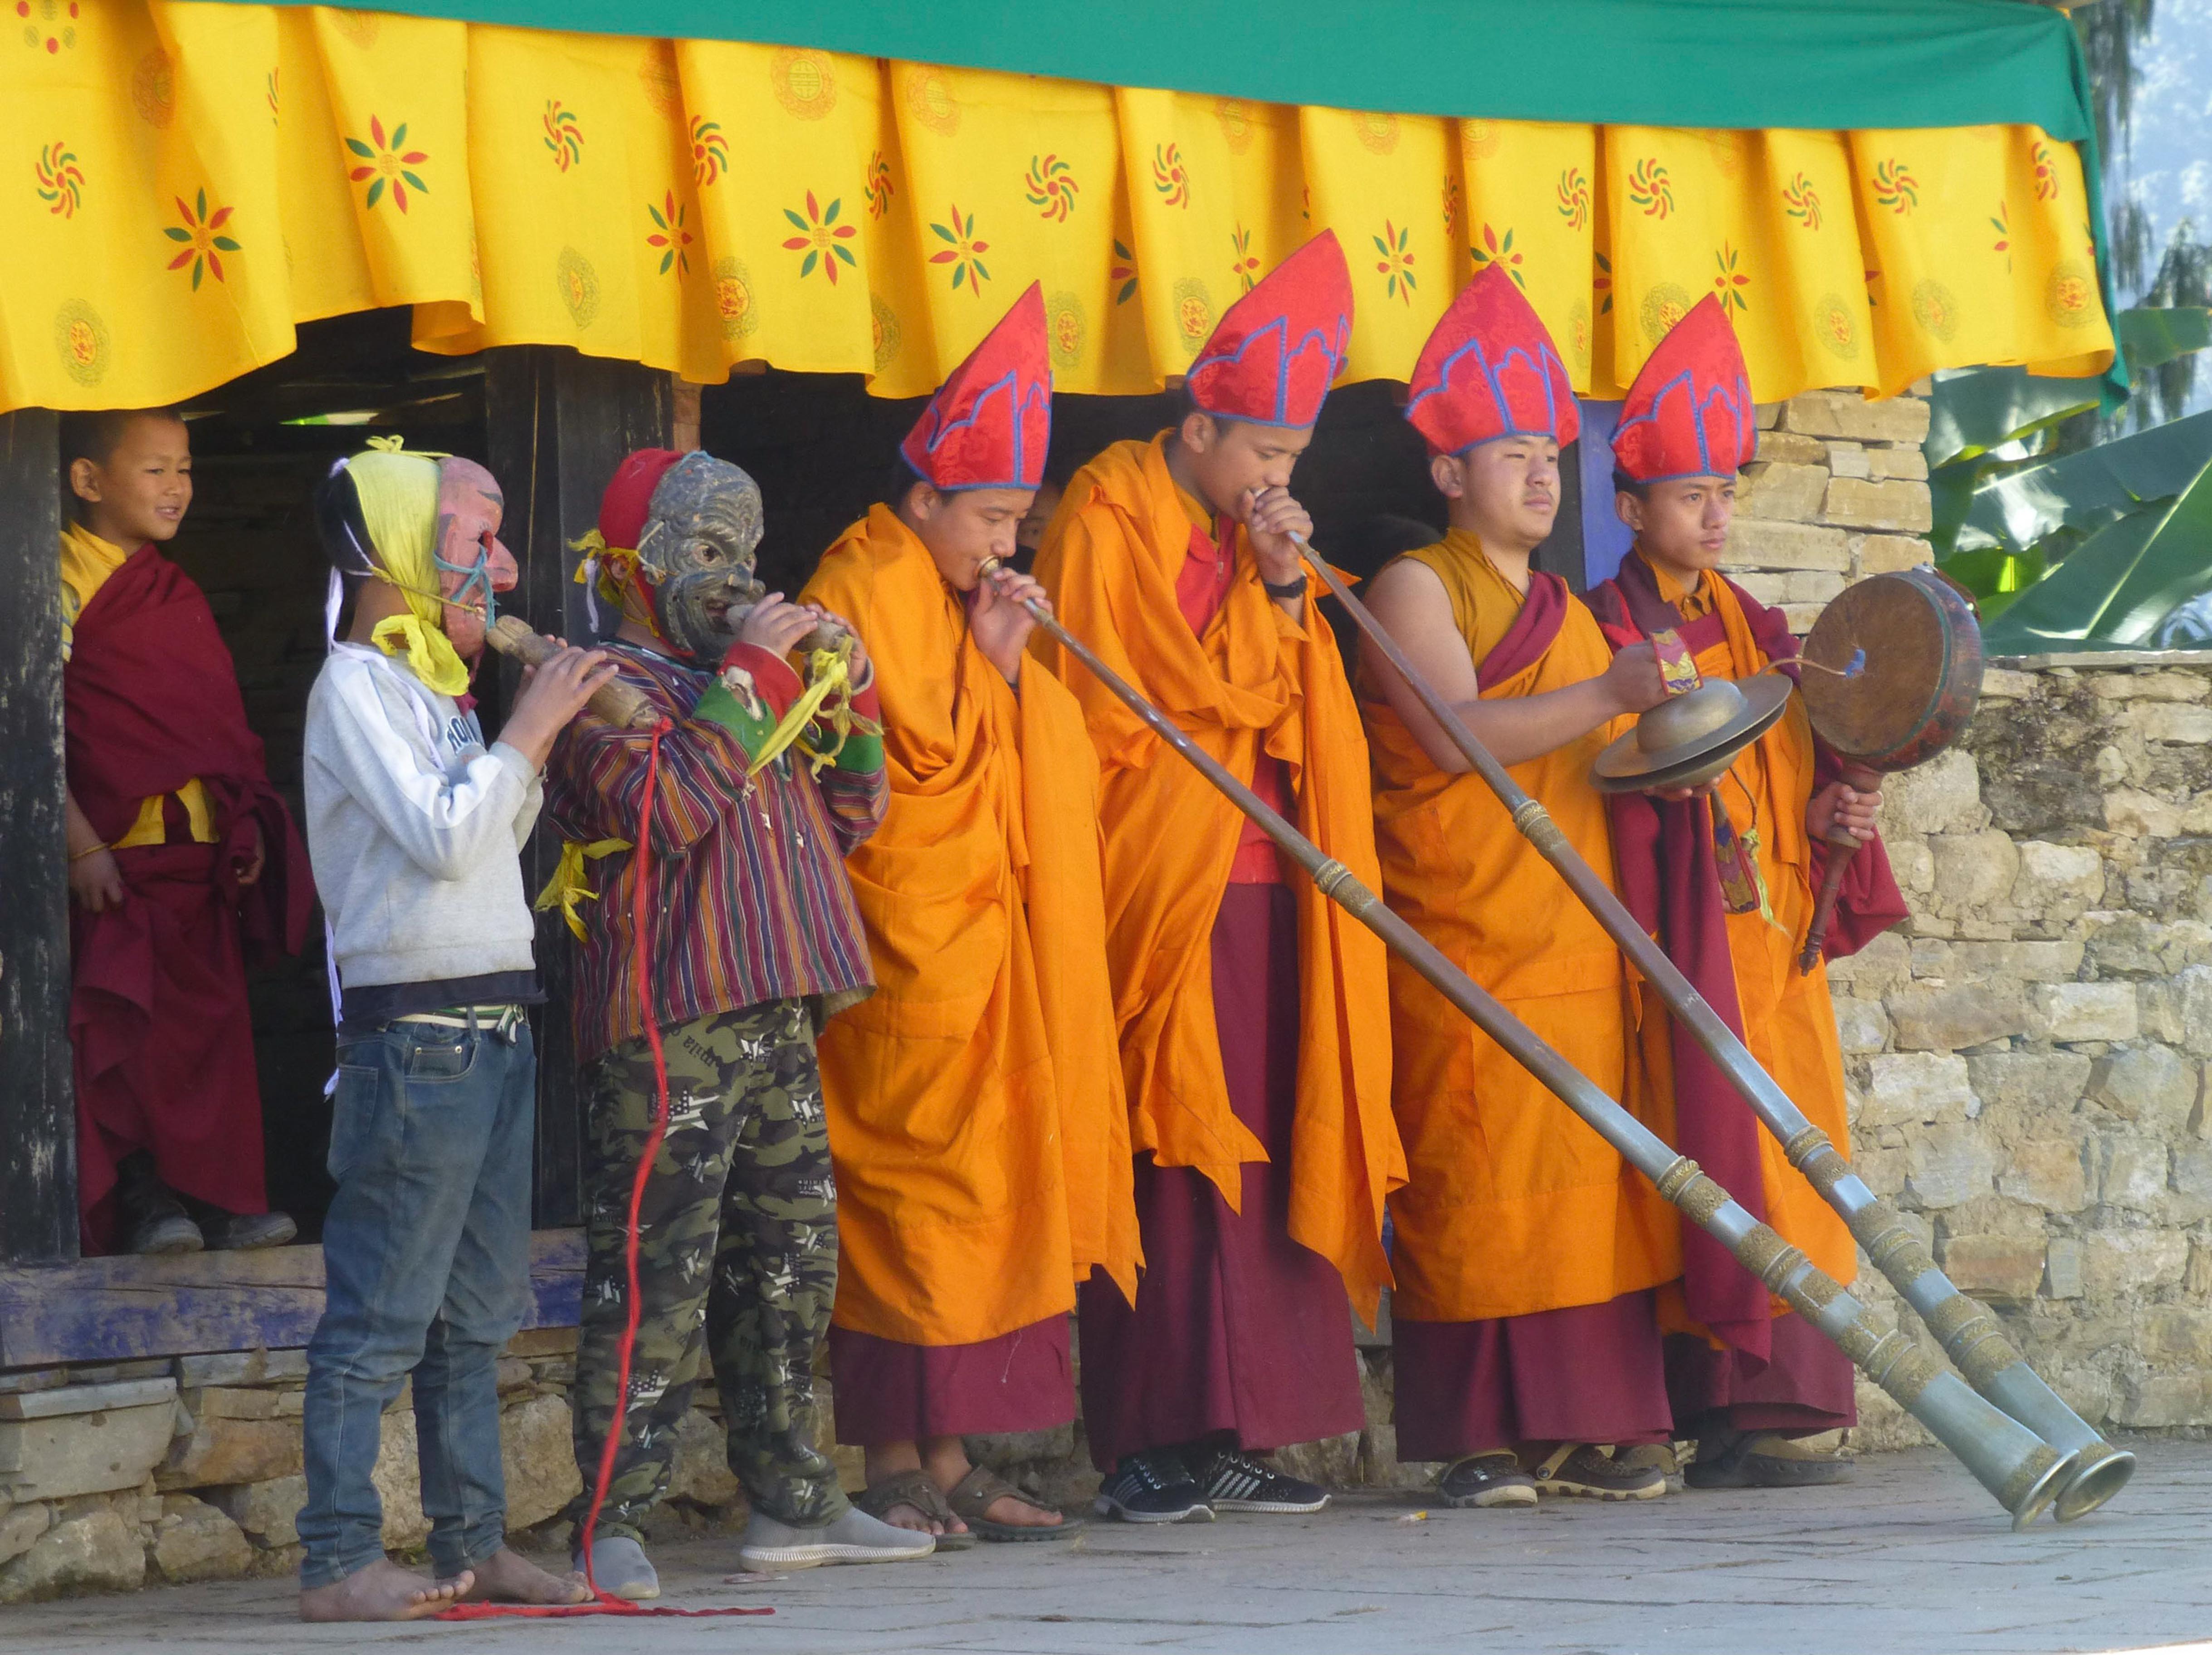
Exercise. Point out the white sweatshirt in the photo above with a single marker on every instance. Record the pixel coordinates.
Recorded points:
(413, 827)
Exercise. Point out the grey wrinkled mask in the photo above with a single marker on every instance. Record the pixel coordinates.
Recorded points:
(695, 552)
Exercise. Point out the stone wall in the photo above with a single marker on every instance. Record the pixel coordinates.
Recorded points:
(2027, 1053)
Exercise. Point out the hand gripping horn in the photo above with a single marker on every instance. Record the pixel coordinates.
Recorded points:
(2019, 1468)
(2097, 1470)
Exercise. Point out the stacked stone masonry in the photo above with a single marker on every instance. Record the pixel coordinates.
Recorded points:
(2027, 1059)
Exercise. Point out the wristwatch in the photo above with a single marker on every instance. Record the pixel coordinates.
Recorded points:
(1288, 589)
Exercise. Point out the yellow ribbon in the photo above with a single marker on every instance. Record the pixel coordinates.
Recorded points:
(828, 671)
(428, 651)
(566, 887)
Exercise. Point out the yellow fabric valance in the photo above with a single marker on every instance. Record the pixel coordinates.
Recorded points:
(195, 178)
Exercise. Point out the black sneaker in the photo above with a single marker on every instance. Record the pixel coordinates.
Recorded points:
(1231, 1480)
(1151, 1487)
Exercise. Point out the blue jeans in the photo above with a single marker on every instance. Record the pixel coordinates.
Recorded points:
(426, 1255)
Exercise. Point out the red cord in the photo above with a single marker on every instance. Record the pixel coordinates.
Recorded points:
(640, 910)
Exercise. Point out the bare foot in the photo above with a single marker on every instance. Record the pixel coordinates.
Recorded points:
(506, 1577)
(382, 1592)
(1019, 1512)
(903, 1516)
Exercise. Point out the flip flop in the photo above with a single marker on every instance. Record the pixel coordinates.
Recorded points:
(977, 1492)
(915, 1489)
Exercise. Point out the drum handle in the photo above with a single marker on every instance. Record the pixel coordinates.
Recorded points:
(1843, 845)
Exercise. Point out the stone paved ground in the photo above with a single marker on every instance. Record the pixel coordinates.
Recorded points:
(1911, 1558)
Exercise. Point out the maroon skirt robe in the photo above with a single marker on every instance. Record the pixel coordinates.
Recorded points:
(883, 1391)
(1238, 1333)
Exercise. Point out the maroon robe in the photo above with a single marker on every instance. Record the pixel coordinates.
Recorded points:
(1773, 1372)
(158, 1014)
(884, 1391)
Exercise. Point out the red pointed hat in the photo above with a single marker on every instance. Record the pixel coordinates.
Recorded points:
(1274, 352)
(1689, 413)
(1490, 370)
(990, 422)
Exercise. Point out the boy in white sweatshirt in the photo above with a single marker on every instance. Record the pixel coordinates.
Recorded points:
(414, 825)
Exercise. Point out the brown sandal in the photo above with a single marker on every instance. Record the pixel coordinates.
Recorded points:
(915, 1488)
(980, 1490)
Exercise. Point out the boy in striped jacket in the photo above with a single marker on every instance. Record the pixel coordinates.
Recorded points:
(747, 806)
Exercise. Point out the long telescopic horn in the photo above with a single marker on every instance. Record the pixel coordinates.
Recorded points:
(1969, 1333)
(2019, 1468)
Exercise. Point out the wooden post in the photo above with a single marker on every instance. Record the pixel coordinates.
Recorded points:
(37, 1107)
(559, 424)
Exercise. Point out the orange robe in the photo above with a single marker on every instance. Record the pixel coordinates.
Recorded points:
(976, 1116)
(1788, 1023)
(1254, 681)
(1514, 1206)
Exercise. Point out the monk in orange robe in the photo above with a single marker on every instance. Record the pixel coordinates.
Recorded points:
(976, 1116)
(1525, 1325)
(1253, 1022)
(1726, 880)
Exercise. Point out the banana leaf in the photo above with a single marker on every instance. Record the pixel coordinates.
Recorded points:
(1973, 410)
(2086, 490)
(2115, 587)
(1995, 577)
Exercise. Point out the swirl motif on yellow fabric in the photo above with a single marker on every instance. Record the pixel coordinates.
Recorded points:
(387, 163)
(1050, 188)
(1895, 187)
(1578, 335)
(564, 136)
(1170, 179)
(1801, 201)
(1574, 197)
(2046, 173)
(670, 236)
(61, 180)
(1651, 189)
(1451, 208)
(202, 234)
(879, 188)
(710, 151)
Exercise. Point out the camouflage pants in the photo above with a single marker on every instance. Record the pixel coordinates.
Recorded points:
(738, 1253)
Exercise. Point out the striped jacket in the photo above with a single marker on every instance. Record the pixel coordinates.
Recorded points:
(748, 900)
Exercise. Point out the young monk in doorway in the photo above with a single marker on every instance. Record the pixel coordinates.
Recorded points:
(183, 863)
(1726, 880)
(1251, 1008)
(976, 1112)
(1525, 1328)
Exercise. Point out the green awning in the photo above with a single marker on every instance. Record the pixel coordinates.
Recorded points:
(1834, 65)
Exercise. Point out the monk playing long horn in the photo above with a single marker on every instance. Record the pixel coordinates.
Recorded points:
(1725, 878)
(1252, 1012)
(976, 1112)
(1528, 1253)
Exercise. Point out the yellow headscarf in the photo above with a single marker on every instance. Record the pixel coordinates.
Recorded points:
(399, 495)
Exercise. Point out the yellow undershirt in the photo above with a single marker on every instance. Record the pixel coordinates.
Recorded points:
(1694, 602)
(87, 563)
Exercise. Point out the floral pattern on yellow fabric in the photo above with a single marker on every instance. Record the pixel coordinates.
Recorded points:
(1574, 197)
(1650, 189)
(1491, 248)
(61, 180)
(202, 234)
(387, 163)
(710, 151)
(964, 254)
(1801, 201)
(1050, 188)
(670, 237)
(564, 136)
(1170, 177)
(1895, 187)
